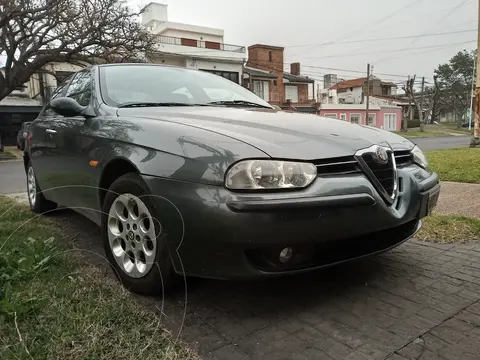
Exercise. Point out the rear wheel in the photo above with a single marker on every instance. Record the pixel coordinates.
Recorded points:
(134, 239)
(38, 203)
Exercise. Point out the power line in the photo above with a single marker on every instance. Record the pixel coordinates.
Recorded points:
(393, 50)
(391, 38)
(443, 18)
(376, 22)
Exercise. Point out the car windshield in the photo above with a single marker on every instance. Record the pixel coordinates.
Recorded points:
(155, 85)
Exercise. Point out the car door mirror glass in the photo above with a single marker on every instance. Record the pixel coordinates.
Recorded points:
(67, 106)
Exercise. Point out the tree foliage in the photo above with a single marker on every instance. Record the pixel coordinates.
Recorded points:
(455, 80)
(34, 33)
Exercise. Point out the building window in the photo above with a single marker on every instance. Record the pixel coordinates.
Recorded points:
(330, 115)
(372, 120)
(270, 56)
(291, 93)
(390, 122)
(230, 75)
(356, 118)
(343, 117)
(262, 89)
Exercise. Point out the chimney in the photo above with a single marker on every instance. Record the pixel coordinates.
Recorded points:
(295, 68)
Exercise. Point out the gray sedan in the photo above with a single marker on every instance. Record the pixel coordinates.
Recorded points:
(188, 173)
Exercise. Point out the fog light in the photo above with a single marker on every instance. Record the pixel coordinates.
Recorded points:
(285, 255)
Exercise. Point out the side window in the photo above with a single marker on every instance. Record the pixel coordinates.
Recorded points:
(80, 88)
(58, 91)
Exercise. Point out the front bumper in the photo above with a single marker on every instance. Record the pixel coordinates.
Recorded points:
(215, 233)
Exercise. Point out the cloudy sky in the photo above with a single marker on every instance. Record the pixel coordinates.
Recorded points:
(343, 35)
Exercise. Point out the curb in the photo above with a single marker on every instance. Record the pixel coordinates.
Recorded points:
(12, 160)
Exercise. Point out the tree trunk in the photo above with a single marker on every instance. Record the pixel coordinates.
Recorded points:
(405, 119)
(420, 117)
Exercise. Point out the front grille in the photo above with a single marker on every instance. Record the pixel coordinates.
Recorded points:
(384, 173)
(403, 158)
(337, 166)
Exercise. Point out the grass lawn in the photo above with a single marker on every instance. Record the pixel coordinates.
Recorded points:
(436, 130)
(419, 133)
(53, 305)
(7, 155)
(461, 165)
(449, 228)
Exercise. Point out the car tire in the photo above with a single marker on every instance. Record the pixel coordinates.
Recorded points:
(38, 203)
(158, 275)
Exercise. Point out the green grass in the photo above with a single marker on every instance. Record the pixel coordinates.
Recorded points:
(449, 229)
(447, 129)
(460, 165)
(7, 155)
(53, 305)
(419, 133)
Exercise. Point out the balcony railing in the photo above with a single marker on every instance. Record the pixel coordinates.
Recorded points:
(200, 44)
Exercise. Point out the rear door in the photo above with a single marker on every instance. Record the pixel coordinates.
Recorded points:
(43, 145)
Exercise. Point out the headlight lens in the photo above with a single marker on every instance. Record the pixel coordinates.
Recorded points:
(270, 174)
(419, 157)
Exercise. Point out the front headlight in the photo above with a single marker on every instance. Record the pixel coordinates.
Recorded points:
(419, 157)
(269, 174)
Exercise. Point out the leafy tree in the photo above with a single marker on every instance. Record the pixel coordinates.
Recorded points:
(34, 33)
(455, 84)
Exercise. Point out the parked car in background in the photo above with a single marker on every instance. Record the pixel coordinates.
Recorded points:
(22, 135)
(232, 188)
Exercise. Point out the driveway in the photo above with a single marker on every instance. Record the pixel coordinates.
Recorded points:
(442, 142)
(420, 299)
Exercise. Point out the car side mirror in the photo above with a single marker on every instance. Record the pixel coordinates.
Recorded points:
(69, 107)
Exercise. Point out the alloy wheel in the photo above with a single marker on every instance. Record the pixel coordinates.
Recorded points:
(131, 235)
(31, 186)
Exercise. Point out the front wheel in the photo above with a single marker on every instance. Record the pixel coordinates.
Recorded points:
(38, 203)
(134, 239)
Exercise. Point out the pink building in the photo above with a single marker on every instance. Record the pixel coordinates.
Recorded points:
(383, 117)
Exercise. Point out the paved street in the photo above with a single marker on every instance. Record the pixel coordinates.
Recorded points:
(12, 174)
(420, 301)
(12, 177)
(442, 142)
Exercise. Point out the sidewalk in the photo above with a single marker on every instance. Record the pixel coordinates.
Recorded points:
(459, 199)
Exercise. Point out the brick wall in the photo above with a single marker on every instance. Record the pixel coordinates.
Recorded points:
(302, 94)
(269, 58)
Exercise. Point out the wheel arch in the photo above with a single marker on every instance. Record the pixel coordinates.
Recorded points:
(115, 168)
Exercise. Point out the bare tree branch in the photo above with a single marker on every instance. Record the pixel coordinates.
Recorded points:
(34, 33)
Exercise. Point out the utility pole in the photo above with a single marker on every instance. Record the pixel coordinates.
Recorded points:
(472, 94)
(420, 113)
(368, 93)
(476, 129)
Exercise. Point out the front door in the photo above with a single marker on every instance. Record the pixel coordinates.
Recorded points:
(72, 164)
(44, 145)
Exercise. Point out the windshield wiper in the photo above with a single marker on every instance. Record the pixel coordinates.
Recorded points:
(156, 104)
(238, 103)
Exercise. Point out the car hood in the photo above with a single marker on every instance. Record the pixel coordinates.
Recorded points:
(280, 134)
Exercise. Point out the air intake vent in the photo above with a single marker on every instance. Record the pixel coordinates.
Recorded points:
(384, 173)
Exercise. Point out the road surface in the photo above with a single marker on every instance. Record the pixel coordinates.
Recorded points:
(12, 174)
(12, 177)
(442, 142)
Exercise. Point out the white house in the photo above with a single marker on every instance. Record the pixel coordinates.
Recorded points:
(24, 103)
(192, 46)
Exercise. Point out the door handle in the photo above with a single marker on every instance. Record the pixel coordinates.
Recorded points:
(51, 131)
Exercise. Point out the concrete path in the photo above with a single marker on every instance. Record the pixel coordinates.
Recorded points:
(459, 199)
